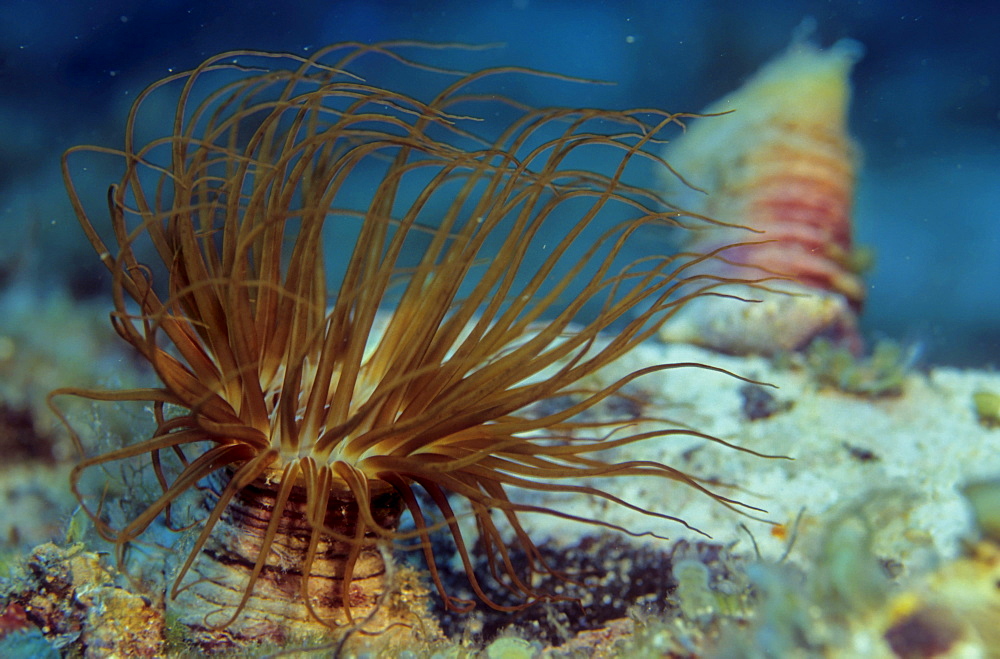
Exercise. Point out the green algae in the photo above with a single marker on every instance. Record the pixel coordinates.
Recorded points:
(987, 405)
(882, 373)
(984, 499)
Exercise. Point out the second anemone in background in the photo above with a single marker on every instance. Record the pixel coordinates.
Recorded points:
(779, 161)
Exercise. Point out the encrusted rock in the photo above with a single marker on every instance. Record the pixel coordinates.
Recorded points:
(72, 598)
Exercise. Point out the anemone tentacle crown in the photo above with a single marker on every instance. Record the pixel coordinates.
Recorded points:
(341, 291)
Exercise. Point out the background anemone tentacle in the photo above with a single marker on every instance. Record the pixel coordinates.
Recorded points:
(403, 358)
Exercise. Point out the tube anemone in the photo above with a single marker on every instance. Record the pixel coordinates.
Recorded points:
(335, 353)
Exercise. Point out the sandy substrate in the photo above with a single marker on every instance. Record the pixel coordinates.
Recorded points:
(901, 458)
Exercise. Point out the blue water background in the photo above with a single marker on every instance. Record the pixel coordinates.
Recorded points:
(926, 112)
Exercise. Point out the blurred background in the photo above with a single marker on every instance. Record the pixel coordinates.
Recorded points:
(926, 112)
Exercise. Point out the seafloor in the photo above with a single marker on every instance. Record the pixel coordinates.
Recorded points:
(875, 536)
